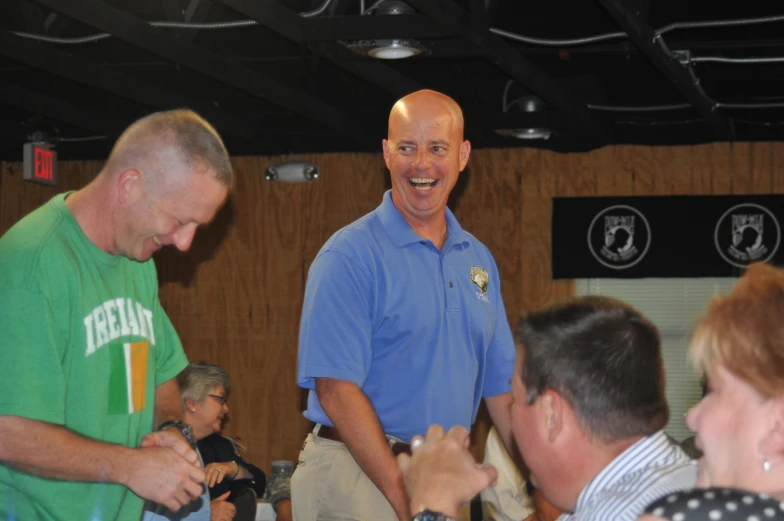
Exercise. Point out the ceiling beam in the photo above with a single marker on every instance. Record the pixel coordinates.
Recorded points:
(13, 130)
(629, 18)
(196, 12)
(490, 121)
(338, 7)
(372, 27)
(55, 24)
(479, 14)
(173, 12)
(508, 59)
(374, 72)
(47, 106)
(273, 15)
(491, 6)
(644, 9)
(128, 28)
(31, 12)
(289, 24)
(36, 21)
(47, 57)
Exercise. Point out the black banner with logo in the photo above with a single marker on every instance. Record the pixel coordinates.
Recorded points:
(670, 236)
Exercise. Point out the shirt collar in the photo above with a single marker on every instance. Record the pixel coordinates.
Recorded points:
(637, 456)
(401, 232)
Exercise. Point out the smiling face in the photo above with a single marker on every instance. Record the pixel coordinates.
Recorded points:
(425, 152)
(207, 415)
(731, 422)
(153, 218)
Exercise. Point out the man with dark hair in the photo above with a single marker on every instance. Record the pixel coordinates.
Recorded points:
(589, 409)
(587, 413)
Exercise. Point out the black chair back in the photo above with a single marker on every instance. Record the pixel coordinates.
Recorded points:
(245, 502)
(475, 509)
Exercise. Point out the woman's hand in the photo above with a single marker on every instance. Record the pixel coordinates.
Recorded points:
(222, 510)
(217, 472)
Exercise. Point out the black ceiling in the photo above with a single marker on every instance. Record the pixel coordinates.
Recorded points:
(279, 82)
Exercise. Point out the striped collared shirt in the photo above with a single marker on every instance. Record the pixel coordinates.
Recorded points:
(649, 469)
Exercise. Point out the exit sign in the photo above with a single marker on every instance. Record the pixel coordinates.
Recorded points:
(40, 163)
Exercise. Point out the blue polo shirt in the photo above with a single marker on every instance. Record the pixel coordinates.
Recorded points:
(422, 332)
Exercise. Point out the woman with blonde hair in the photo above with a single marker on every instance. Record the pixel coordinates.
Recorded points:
(739, 423)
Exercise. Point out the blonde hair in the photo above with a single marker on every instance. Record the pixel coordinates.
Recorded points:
(743, 331)
(172, 140)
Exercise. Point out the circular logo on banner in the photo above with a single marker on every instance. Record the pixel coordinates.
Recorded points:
(747, 233)
(619, 236)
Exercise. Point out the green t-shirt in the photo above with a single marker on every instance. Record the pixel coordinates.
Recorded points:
(84, 343)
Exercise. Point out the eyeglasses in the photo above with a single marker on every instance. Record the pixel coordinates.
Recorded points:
(221, 399)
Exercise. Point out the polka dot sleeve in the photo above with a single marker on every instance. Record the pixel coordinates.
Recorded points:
(717, 504)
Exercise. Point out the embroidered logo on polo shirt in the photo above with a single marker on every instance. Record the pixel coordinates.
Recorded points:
(479, 277)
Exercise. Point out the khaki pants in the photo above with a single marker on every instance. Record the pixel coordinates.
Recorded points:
(328, 485)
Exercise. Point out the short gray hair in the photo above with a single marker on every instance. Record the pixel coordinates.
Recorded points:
(196, 144)
(198, 379)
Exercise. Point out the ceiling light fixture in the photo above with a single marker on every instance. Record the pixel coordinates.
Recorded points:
(388, 49)
(394, 49)
(293, 172)
(529, 103)
(526, 133)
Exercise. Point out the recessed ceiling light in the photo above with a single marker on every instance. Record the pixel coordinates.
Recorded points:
(526, 133)
(394, 49)
(387, 49)
(530, 104)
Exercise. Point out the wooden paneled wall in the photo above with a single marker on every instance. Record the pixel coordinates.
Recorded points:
(236, 297)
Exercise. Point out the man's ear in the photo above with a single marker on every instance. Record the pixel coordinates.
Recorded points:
(465, 151)
(385, 150)
(772, 445)
(128, 184)
(553, 408)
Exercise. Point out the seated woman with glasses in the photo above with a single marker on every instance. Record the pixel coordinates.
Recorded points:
(739, 423)
(204, 389)
(226, 469)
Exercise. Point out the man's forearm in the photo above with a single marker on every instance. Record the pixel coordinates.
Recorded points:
(52, 451)
(283, 510)
(498, 407)
(166, 471)
(279, 488)
(355, 419)
(168, 405)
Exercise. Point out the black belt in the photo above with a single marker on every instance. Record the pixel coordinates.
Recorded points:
(331, 433)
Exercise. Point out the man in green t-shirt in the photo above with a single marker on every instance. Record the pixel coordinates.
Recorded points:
(89, 356)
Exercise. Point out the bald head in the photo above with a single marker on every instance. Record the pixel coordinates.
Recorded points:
(425, 153)
(166, 144)
(426, 104)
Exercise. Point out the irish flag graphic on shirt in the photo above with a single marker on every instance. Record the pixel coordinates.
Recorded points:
(128, 380)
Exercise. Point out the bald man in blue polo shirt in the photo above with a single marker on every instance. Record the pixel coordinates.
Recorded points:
(403, 326)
